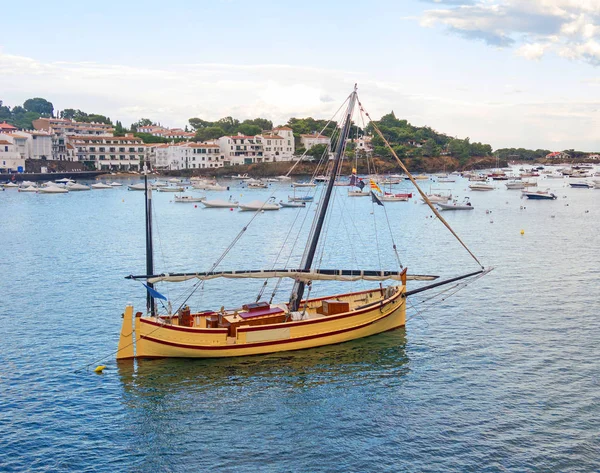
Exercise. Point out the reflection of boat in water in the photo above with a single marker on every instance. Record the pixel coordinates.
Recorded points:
(359, 361)
(261, 327)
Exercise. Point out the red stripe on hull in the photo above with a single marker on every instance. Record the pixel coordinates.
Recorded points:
(274, 342)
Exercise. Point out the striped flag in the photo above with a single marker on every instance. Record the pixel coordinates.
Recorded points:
(374, 185)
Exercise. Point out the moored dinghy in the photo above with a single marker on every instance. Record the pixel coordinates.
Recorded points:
(260, 205)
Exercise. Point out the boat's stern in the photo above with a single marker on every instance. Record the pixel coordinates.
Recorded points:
(126, 350)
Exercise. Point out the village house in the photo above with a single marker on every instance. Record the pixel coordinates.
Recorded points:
(10, 158)
(308, 141)
(114, 153)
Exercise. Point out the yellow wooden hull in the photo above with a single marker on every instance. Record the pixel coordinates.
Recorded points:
(153, 338)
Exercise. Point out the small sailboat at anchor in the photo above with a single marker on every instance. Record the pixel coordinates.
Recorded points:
(260, 327)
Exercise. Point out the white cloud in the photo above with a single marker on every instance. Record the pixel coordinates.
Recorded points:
(570, 28)
(171, 95)
(532, 51)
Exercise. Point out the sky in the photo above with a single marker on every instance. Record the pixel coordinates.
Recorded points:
(505, 72)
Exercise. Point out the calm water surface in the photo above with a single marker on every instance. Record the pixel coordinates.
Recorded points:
(502, 376)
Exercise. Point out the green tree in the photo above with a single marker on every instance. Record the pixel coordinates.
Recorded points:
(209, 133)
(40, 106)
(68, 113)
(261, 123)
(119, 130)
(249, 129)
(317, 151)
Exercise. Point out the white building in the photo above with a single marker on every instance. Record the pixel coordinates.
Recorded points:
(240, 149)
(180, 156)
(115, 153)
(31, 144)
(61, 126)
(308, 141)
(10, 158)
(364, 145)
(278, 145)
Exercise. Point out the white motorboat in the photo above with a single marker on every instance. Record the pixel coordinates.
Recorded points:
(271, 179)
(358, 193)
(64, 180)
(539, 195)
(454, 205)
(294, 204)
(116, 184)
(284, 178)
(438, 198)
(188, 198)
(215, 187)
(241, 177)
(28, 183)
(304, 184)
(171, 189)
(53, 190)
(257, 185)
(322, 178)
(581, 184)
(481, 187)
(136, 187)
(10, 185)
(101, 185)
(515, 185)
(157, 184)
(259, 205)
(220, 203)
(74, 187)
(174, 180)
(394, 197)
(28, 189)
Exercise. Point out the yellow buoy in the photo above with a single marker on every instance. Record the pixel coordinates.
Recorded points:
(99, 369)
(522, 232)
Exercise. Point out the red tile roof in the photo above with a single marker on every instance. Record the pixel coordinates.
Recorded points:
(6, 126)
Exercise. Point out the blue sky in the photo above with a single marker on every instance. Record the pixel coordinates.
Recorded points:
(505, 72)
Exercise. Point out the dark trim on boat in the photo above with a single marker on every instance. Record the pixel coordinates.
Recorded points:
(441, 283)
(271, 342)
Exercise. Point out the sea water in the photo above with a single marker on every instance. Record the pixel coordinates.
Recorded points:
(500, 375)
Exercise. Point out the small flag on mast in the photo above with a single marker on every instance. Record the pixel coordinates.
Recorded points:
(374, 185)
(375, 200)
(154, 293)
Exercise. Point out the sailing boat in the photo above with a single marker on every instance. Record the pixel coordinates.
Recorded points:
(261, 327)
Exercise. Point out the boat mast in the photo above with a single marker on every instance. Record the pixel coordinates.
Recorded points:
(150, 306)
(309, 254)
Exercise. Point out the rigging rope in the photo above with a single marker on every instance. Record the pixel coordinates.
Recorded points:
(412, 179)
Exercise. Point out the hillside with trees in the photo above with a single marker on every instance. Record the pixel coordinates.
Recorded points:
(23, 116)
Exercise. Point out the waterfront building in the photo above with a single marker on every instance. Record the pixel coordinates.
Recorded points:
(558, 155)
(162, 132)
(180, 156)
(62, 126)
(364, 146)
(278, 145)
(6, 128)
(114, 153)
(308, 141)
(10, 158)
(31, 144)
(241, 149)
